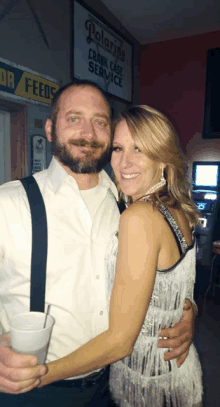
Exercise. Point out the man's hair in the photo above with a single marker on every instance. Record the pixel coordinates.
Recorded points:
(77, 83)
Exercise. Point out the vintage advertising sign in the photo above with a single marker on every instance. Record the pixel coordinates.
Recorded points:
(39, 153)
(20, 82)
(101, 55)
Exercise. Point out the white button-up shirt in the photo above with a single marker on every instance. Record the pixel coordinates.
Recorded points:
(76, 281)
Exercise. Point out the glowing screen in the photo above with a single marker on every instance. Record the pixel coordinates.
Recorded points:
(206, 175)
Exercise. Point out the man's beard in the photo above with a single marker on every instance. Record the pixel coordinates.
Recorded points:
(86, 165)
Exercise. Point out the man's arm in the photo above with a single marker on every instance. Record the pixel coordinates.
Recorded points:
(180, 336)
(18, 373)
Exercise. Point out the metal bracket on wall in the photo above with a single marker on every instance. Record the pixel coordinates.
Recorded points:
(12, 3)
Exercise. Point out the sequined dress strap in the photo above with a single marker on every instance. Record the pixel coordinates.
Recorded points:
(180, 240)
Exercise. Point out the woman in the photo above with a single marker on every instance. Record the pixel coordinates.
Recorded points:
(155, 271)
(155, 262)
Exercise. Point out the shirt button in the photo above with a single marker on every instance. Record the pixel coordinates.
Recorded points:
(101, 312)
(97, 277)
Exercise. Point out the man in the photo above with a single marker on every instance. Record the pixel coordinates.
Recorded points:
(82, 215)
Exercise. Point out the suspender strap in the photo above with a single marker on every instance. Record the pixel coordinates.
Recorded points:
(39, 244)
(121, 206)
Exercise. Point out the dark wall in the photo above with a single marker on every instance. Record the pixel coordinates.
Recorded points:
(173, 80)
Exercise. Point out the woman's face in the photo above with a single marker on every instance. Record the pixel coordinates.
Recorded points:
(133, 170)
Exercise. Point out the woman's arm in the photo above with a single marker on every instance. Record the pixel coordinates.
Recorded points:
(134, 281)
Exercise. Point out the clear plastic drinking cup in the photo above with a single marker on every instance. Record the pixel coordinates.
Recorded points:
(28, 335)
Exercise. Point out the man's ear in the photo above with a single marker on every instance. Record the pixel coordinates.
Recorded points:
(48, 126)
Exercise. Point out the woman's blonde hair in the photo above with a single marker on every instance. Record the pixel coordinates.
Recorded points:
(156, 137)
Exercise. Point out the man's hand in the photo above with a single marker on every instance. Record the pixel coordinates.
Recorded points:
(180, 336)
(18, 373)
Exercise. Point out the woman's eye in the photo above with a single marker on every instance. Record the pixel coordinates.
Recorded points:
(137, 149)
(116, 148)
(73, 119)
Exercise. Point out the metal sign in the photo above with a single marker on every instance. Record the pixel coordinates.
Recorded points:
(39, 153)
(100, 54)
(20, 82)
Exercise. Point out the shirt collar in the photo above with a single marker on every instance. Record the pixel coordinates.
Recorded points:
(58, 175)
(106, 182)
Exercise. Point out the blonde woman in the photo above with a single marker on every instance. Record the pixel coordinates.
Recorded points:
(155, 268)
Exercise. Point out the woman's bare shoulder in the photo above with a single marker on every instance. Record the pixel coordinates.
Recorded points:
(140, 226)
(141, 209)
(141, 212)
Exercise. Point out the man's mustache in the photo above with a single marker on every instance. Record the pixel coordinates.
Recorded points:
(84, 143)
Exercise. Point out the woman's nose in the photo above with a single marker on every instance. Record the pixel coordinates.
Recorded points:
(126, 160)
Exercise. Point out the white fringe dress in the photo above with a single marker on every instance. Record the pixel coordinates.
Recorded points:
(144, 379)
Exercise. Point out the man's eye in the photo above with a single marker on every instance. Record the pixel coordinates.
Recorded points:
(73, 119)
(101, 123)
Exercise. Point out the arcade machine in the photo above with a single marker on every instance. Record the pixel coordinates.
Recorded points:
(205, 194)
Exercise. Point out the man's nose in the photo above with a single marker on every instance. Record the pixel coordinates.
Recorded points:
(88, 129)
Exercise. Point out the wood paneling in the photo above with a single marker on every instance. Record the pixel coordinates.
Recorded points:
(19, 144)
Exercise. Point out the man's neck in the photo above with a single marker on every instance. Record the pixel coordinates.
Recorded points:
(84, 181)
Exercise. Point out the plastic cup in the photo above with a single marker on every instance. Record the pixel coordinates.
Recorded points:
(28, 335)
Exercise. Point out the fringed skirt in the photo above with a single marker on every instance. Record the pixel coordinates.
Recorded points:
(179, 387)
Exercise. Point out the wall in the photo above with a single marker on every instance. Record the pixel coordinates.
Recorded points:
(22, 42)
(173, 79)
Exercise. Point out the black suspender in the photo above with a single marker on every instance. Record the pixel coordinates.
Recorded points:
(39, 244)
(121, 206)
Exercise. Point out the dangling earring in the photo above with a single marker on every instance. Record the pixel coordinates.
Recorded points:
(126, 201)
(162, 177)
(159, 184)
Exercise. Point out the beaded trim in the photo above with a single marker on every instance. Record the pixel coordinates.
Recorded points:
(174, 225)
(172, 222)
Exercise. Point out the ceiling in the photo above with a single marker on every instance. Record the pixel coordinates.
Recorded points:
(160, 20)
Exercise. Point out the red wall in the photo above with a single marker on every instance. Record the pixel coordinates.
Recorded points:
(173, 78)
